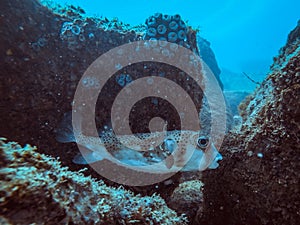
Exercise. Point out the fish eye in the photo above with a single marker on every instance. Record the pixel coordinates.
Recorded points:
(202, 142)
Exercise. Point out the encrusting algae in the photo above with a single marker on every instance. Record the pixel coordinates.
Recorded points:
(35, 188)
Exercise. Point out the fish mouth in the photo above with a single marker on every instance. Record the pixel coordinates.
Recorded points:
(215, 163)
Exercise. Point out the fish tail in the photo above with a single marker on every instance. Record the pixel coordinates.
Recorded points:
(76, 122)
(66, 132)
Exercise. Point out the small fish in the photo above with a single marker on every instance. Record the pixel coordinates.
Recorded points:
(143, 150)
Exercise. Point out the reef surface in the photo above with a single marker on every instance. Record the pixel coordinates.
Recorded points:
(44, 53)
(35, 188)
(258, 180)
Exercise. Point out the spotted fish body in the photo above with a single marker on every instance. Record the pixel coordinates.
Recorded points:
(177, 149)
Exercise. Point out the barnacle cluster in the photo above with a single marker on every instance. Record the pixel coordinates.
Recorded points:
(75, 12)
(123, 79)
(40, 43)
(36, 189)
(162, 27)
(90, 82)
(73, 32)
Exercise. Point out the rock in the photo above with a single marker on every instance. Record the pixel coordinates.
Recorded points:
(187, 198)
(234, 99)
(45, 53)
(41, 68)
(258, 180)
(208, 56)
(35, 188)
(294, 35)
(44, 61)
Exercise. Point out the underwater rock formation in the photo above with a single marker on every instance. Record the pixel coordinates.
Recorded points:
(208, 56)
(174, 29)
(35, 188)
(293, 36)
(187, 198)
(40, 68)
(160, 28)
(258, 180)
(234, 98)
(45, 53)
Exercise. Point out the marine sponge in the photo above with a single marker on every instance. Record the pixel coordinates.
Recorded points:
(35, 188)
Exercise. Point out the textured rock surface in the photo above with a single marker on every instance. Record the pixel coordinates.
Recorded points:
(35, 188)
(258, 180)
(160, 28)
(40, 69)
(208, 56)
(187, 198)
(44, 55)
(234, 98)
(294, 35)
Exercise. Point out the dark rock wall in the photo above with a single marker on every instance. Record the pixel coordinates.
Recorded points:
(258, 180)
(43, 56)
(40, 69)
(42, 60)
(209, 58)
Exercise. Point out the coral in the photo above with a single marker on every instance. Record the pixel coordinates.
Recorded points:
(172, 29)
(35, 188)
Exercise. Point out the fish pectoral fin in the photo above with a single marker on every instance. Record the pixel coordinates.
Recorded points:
(64, 133)
(86, 156)
(169, 161)
(79, 159)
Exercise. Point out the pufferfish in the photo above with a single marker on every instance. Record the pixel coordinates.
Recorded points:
(183, 149)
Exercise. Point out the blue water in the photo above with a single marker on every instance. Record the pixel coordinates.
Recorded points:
(244, 35)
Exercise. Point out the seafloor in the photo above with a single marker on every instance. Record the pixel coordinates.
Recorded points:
(257, 181)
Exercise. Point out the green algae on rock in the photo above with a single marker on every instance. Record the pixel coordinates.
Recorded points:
(35, 188)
